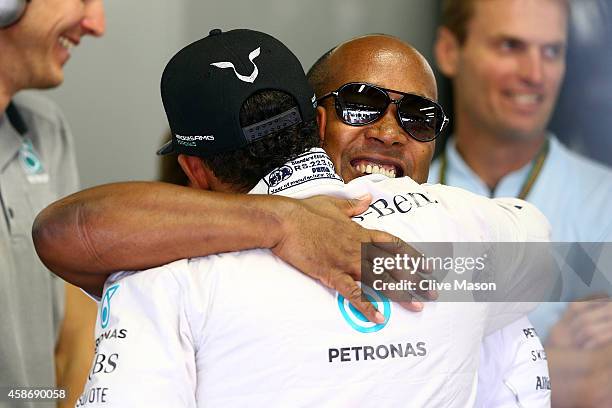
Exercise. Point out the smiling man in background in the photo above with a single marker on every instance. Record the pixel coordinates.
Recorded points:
(46, 324)
(506, 59)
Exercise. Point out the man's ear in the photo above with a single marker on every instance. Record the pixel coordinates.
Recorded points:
(322, 122)
(196, 171)
(447, 50)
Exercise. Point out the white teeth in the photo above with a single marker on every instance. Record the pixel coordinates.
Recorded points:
(375, 169)
(526, 99)
(66, 43)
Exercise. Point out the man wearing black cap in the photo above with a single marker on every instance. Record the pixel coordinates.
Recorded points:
(233, 329)
(85, 249)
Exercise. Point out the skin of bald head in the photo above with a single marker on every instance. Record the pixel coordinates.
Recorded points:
(325, 74)
(389, 63)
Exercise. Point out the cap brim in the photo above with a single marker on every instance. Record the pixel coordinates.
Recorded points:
(166, 149)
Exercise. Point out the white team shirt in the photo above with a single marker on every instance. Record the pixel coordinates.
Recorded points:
(246, 329)
(513, 369)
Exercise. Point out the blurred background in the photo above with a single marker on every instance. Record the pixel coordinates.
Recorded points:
(111, 94)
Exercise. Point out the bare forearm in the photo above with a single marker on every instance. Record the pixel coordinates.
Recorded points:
(139, 225)
(75, 348)
(132, 226)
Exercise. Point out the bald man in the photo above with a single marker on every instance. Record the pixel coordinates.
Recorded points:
(513, 363)
(374, 60)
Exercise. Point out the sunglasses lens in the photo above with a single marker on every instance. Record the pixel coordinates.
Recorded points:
(421, 118)
(360, 104)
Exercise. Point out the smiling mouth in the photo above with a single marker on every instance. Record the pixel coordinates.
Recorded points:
(66, 43)
(366, 167)
(525, 99)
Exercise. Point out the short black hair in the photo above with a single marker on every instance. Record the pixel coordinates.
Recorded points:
(243, 168)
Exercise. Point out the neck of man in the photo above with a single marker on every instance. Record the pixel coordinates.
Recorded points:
(492, 156)
(11, 72)
(12, 78)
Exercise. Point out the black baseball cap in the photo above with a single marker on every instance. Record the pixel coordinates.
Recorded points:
(205, 84)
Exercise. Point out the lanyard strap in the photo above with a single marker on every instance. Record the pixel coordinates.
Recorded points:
(533, 175)
(15, 119)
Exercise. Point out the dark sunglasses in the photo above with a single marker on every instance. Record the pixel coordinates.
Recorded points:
(360, 103)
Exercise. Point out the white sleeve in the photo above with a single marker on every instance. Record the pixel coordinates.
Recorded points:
(530, 224)
(513, 369)
(144, 348)
(524, 268)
